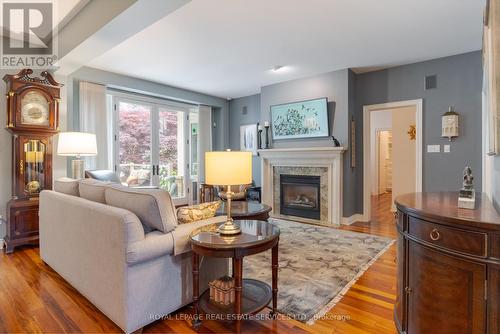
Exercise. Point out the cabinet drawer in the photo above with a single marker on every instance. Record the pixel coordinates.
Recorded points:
(468, 242)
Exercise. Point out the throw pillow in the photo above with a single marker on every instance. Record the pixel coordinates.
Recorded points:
(154, 207)
(189, 214)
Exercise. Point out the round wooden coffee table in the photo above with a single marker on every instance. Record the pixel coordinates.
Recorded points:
(242, 210)
(251, 296)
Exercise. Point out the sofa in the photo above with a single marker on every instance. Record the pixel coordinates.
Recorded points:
(122, 248)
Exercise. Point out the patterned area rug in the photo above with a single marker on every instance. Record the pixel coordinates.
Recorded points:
(317, 265)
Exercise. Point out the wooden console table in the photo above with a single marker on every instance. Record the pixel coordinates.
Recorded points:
(251, 296)
(448, 265)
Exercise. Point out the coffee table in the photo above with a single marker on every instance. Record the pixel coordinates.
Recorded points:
(251, 296)
(242, 210)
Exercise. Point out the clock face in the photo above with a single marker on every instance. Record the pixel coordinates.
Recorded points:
(34, 109)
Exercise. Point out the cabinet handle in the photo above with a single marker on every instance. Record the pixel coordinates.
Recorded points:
(435, 235)
(21, 167)
(408, 289)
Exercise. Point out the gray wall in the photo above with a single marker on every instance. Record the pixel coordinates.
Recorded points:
(217, 130)
(333, 85)
(459, 84)
(237, 118)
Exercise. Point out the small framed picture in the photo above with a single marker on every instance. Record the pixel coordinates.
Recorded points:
(248, 138)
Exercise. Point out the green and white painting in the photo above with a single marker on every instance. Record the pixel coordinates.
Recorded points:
(306, 119)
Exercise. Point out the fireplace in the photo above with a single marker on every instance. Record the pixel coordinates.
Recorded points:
(300, 196)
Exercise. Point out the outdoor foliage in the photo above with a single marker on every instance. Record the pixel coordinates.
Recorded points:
(135, 136)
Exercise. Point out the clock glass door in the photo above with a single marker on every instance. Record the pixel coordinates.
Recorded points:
(34, 168)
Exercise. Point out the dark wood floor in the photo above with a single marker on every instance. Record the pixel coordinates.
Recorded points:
(34, 299)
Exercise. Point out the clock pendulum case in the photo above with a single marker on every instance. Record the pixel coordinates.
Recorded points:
(32, 119)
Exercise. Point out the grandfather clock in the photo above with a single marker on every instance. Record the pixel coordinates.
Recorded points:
(32, 119)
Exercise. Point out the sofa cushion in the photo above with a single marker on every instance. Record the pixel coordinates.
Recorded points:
(154, 207)
(93, 190)
(189, 214)
(67, 186)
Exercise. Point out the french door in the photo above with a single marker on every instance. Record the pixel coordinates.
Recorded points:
(152, 145)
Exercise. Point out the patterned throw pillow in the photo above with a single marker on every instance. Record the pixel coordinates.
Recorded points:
(189, 214)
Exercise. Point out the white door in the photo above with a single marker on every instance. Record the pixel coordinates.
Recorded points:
(152, 146)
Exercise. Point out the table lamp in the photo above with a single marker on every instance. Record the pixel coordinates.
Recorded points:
(228, 169)
(77, 144)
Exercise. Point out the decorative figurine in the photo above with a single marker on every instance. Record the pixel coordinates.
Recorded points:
(266, 125)
(336, 143)
(467, 195)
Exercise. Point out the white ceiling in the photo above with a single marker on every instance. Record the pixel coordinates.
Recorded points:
(226, 48)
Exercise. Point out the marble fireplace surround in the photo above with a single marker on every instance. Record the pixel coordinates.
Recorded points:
(323, 161)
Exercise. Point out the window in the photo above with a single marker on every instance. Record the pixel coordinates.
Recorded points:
(156, 144)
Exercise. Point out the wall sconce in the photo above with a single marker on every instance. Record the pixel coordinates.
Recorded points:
(449, 124)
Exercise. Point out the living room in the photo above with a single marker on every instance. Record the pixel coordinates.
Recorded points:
(268, 166)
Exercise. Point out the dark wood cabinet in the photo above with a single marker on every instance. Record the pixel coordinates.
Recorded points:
(448, 275)
(32, 119)
(446, 291)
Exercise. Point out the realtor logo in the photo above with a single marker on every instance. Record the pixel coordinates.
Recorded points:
(28, 34)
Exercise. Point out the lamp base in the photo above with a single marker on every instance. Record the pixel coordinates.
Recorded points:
(78, 169)
(229, 228)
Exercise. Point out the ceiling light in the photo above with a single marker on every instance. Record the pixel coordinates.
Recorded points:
(278, 68)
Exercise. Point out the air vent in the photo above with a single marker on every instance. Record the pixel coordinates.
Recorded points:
(244, 110)
(430, 82)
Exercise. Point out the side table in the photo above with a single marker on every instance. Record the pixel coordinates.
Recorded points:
(251, 296)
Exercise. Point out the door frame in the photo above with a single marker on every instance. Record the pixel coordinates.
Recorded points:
(418, 104)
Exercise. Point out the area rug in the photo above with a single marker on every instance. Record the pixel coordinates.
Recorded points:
(317, 266)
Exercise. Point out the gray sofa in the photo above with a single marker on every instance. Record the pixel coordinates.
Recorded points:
(131, 259)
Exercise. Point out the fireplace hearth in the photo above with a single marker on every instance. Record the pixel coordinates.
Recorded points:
(300, 196)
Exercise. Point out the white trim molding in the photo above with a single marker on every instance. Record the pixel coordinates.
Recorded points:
(328, 157)
(418, 104)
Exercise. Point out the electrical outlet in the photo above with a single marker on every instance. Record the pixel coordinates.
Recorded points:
(446, 148)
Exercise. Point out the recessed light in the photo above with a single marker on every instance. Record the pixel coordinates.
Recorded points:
(278, 68)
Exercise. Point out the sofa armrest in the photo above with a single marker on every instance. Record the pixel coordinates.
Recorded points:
(155, 244)
(182, 232)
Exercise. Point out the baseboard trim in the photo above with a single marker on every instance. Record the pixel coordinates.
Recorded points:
(352, 219)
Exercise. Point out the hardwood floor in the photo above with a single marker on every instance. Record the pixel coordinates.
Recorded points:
(34, 299)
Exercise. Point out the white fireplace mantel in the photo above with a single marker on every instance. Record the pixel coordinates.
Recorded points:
(329, 157)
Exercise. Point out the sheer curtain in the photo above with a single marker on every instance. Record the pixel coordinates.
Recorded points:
(96, 118)
(205, 138)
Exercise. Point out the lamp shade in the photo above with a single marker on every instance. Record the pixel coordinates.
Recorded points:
(228, 168)
(77, 144)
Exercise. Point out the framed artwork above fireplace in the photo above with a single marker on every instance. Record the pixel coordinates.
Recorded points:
(304, 119)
